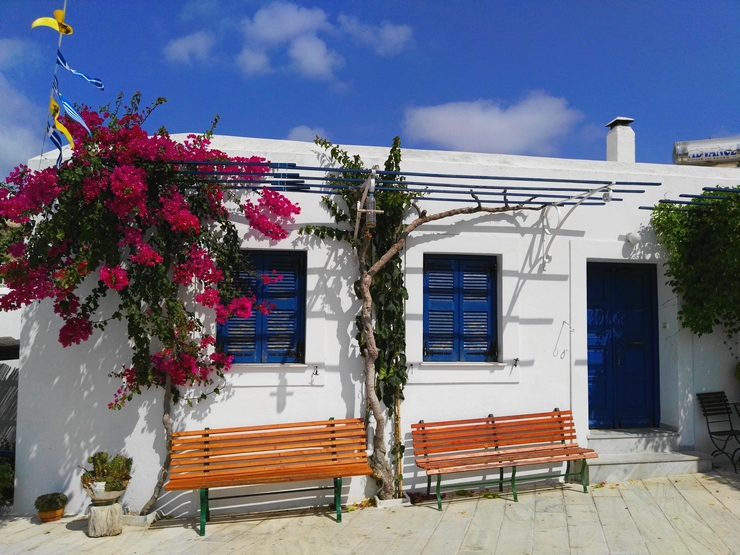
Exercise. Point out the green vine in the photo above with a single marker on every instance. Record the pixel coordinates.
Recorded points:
(387, 289)
(703, 244)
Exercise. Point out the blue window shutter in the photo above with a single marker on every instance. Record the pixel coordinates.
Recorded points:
(475, 309)
(239, 335)
(460, 309)
(282, 328)
(277, 337)
(440, 342)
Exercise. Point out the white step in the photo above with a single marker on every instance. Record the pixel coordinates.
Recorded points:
(632, 440)
(615, 468)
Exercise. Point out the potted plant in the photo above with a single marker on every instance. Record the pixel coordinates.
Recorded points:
(6, 479)
(50, 506)
(108, 478)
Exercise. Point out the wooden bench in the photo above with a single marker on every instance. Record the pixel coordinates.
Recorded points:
(294, 452)
(498, 442)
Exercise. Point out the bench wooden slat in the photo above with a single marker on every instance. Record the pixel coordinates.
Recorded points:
(221, 449)
(232, 480)
(504, 455)
(352, 422)
(565, 414)
(211, 436)
(208, 465)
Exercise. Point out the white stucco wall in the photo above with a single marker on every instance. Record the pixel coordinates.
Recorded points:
(64, 392)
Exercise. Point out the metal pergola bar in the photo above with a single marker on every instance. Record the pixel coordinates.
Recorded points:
(467, 188)
(281, 165)
(323, 180)
(478, 188)
(534, 192)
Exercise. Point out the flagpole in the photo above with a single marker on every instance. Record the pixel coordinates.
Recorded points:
(51, 93)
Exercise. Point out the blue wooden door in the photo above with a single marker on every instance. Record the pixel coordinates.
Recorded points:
(622, 354)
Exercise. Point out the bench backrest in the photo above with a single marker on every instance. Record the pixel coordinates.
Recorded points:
(493, 432)
(716, 409)
(269, 448)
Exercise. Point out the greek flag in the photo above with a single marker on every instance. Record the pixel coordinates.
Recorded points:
(56, 140)
(68, 108)
(92, 80)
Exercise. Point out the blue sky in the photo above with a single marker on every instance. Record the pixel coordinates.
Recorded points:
(528, 77)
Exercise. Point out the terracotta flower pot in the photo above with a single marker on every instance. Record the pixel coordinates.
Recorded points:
(52, 515)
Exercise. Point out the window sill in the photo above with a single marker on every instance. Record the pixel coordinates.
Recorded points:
(276, 375)
(463, 373)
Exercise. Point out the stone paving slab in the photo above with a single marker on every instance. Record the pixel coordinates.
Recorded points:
(686, 514)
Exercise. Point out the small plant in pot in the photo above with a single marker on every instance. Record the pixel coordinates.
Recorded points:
(107, 479)
(50, 506)
(6, 481)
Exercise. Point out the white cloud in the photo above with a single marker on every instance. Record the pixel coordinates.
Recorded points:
(18, 139)
(529, 127)
(386, 39)
(306, 134)
(253, 62)
(312, 58)
(200, 9)
(282, 22)
(12, 52)
(195, 46)
(285, 36)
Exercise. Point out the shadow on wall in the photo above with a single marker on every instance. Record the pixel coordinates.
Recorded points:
(642, 245)
(63, 414)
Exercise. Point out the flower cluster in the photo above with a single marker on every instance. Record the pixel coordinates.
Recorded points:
(269, 213)
(121, 217)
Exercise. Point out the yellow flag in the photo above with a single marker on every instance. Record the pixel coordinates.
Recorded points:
(57, 23)
(54, 109)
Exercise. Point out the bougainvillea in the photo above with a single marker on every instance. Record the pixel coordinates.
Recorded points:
(121, 219)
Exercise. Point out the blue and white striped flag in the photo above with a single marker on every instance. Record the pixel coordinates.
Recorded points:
(68, 108)
(92, 80)
(56, 140)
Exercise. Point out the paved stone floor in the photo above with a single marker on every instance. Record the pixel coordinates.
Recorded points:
(692, 513)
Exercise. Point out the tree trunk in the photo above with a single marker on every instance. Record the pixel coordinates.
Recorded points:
(382, 471)
(106, 520)
(167, 423)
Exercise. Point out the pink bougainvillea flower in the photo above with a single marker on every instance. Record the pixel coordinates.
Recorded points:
(115, 277)
(122, 196)
(241, 307)
(75, 330)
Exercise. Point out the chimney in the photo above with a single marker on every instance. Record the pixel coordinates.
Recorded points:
(620, 141)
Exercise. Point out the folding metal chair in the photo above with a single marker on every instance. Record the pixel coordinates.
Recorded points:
(718, 413)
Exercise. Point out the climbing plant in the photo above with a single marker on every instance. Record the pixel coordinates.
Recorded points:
(120, 220)
(381, 331)
(702, 240)
(386, 286)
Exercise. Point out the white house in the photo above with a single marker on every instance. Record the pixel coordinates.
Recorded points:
(552, 269)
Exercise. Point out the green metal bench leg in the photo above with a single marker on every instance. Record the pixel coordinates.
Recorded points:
(501, 479)
(205, 511)
(567, 470)
(513, 482)
(429, 484)
(338, 498)
(439, 492)
(583, 476)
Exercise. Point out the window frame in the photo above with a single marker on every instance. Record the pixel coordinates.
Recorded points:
(452, 286)
(263, 347)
